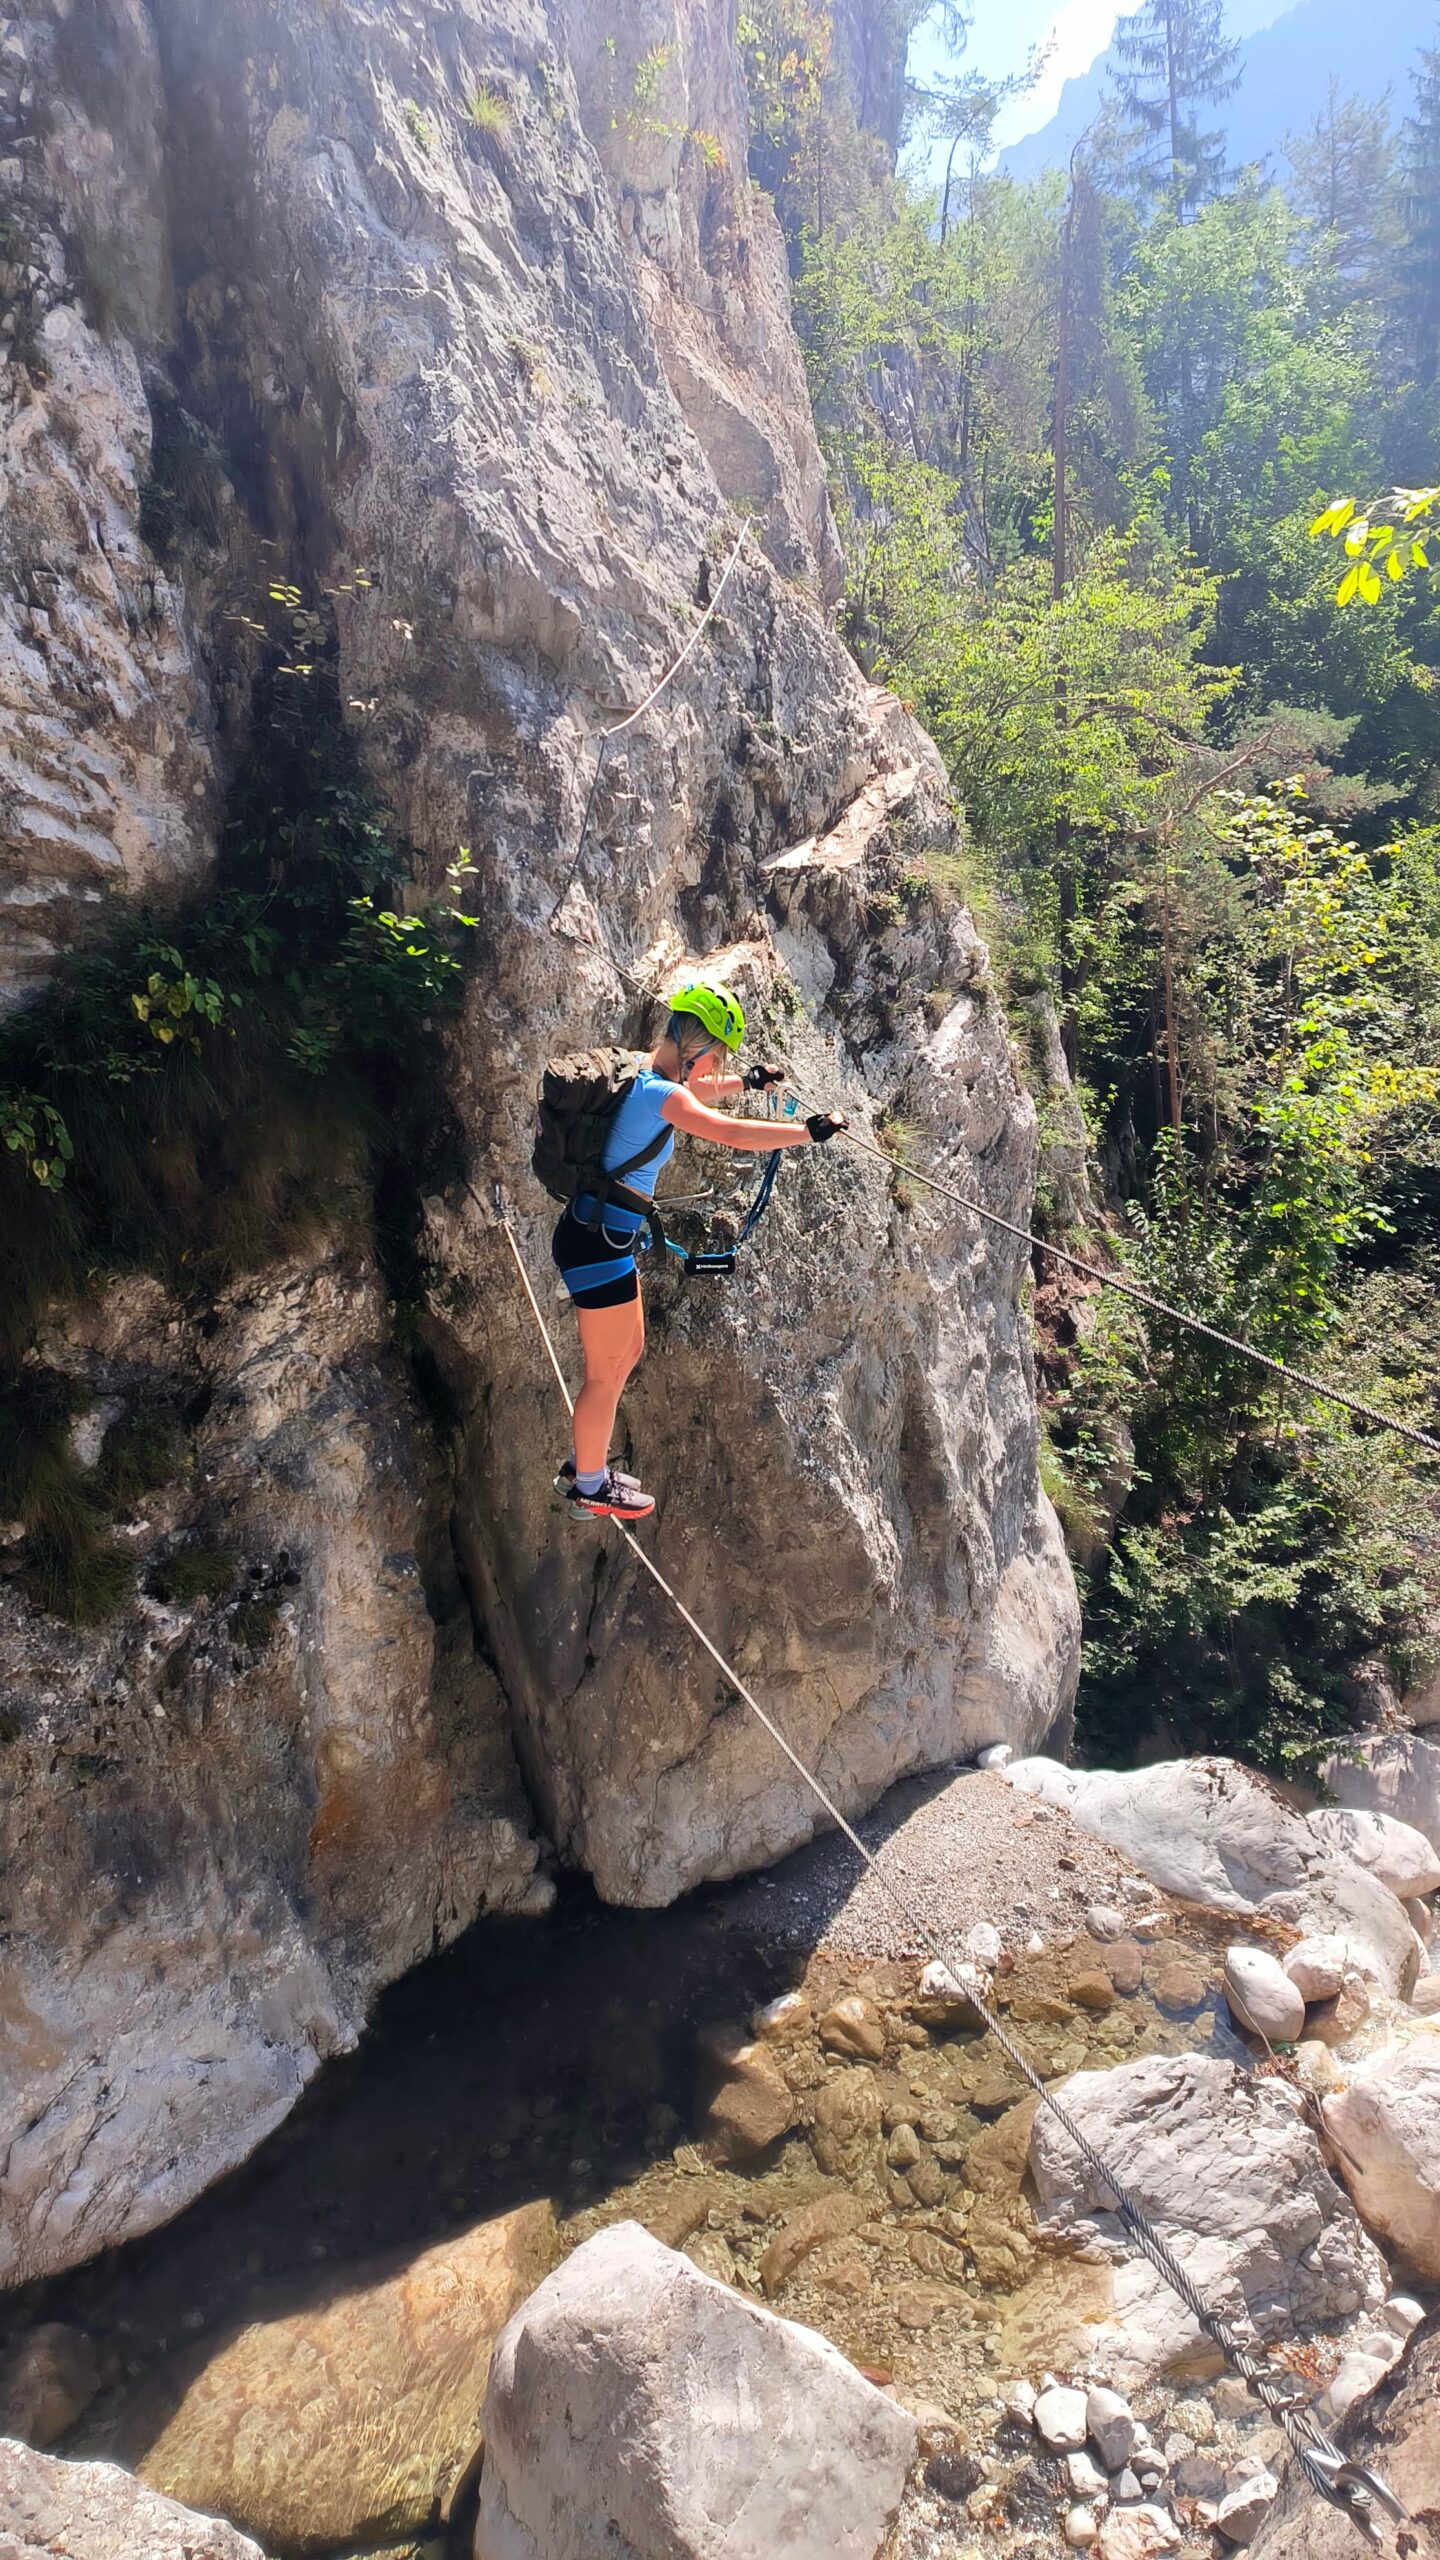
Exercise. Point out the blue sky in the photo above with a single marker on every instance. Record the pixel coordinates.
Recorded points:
(1004, 31)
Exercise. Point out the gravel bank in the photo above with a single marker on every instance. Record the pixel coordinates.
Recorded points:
(958, 1848)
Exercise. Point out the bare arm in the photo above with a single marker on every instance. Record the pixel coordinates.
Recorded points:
(753, 1137)
(709, 1088)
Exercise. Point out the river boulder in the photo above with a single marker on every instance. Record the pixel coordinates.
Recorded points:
(1394, 1852)
(1213, 1832)
(1384, 2126)
(1226, 2167)
(350, 2421)
(635, 2406)
(95, 2511)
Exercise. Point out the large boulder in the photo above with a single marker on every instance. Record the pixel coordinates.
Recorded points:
(1393, 2430)
(1212, 1832)
(638, 2408)
(1384, 2126)
(93, 2511)
(1226, 2167)
(1394, 1852)
(1393, 1773)
(350, 2422)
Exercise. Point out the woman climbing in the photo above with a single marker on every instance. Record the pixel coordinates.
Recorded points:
(594, 1243)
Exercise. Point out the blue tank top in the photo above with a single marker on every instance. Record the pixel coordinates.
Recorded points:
(636, 1122)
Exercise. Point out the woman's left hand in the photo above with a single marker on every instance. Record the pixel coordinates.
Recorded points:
(763, 1079)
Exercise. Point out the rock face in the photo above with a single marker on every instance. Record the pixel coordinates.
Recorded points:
(1396, 2431)
(636, 2406)
(1385, 2128)
(1392, 1773)
(92, 2511)
(225, 1820)
(285, 282)
(1232, 2176)
(1213, 1832)
(348, 2423)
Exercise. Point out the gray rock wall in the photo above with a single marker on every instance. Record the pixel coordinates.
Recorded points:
(513, 370)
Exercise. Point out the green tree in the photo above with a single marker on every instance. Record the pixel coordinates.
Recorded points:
(1342, 183)
(1175, 60)
(1419, 264)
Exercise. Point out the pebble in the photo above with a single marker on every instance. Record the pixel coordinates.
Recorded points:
(1061, 2417)
(1081, 2528)
(854, 2026)
(1198, 2475)
(984, 1943)
(1150, 1924)
(1086, 2478)
(1136, 1889)
(1261, 1995)
(1125, 1966)
(1092, 1989)
(1020, 2403)
(1104, 1922)
(780, 2019)
(1315, 2065)
(1126, 2485)
(1242, 2510)
(1357, 2375)
(1110, 2427)
(1233, 2396)
(1196, 2419)
(1317, 1967)
(904, 2147)
(1336, 2021)
(1402, 2313)
(1426, 1995)
(1138, 2533)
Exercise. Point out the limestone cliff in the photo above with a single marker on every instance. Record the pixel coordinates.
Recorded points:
(471, 297)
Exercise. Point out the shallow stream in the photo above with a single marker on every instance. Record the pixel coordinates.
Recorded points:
(564, 2058)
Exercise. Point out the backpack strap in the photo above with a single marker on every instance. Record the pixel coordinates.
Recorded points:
(611, 1190)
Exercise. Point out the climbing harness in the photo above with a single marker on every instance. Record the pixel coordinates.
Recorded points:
(1356, 2490)
(620, 727)
(720, 1262)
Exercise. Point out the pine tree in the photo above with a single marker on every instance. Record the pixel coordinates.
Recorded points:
(1175, 60)
(1419, 263)
(1343, 185)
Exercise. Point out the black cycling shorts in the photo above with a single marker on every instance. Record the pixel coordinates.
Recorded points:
(597, 1270)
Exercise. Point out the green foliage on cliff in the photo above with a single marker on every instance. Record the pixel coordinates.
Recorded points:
(1080, 434)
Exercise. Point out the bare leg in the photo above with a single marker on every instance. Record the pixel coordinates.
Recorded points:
(612, 1339)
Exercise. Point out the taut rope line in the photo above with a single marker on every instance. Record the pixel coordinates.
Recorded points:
(1156, 1306)
(1355, 2490)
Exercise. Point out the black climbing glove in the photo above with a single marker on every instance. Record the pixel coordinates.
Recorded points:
(760, 1079)
(825, 1125)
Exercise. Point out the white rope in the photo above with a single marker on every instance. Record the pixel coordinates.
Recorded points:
(1353, 2491)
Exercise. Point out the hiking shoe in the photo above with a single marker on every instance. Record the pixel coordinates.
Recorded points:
(566, 1478)
(619, 1498)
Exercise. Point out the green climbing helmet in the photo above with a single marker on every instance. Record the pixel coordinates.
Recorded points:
(715, 1007)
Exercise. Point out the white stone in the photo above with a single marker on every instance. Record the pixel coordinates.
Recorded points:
(1383, 2344)
(1222, 2161)
(1242, 2511)
(95, 2511)
(1060, 2418)
(1402, 2313)
(1385, 2128)
(1104, 1922)
(1395, 1852)
(1034, 1944)
(1317, 1967)
(1110, 2424)
(1081, 2528)
(1085, 2477)
(1425, 1995)
(984, 1943)
(635, 2405)
(1138, 2533)
(996, 1755)
(1262, 1996)
(1020, 2402)
(1354, 2379)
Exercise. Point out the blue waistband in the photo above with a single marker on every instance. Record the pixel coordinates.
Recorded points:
(616, 1222)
